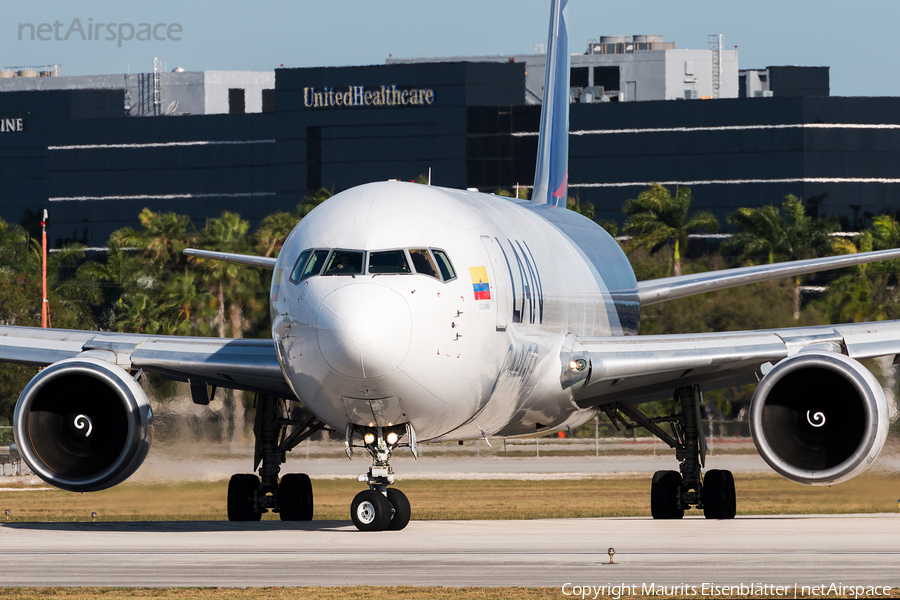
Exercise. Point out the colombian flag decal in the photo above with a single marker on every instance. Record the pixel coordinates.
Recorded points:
(480, 283)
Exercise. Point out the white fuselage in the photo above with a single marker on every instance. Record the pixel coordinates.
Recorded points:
(385, 349)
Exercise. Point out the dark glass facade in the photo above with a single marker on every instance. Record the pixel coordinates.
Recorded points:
(77, 154)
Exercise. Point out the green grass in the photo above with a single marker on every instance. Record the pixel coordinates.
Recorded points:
(323, 593)
(758, 494)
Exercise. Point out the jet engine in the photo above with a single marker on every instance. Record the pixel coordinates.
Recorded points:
(819, 418)
(83, 424)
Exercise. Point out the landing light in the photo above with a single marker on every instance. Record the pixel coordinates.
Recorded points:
(578, 365)
(369, 438)
(392, 438)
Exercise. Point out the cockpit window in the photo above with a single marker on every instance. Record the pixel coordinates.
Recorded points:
(422, 262)
(298, 266)
(444, 264)
(344, 262)
(391, 261)
(314, 266)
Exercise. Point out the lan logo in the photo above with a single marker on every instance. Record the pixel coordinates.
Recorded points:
(480, 283)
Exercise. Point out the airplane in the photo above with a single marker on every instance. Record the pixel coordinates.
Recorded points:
(404, 313)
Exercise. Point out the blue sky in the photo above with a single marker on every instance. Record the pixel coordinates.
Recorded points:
(856, 39)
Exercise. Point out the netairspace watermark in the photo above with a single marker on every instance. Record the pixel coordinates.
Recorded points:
(94, 32)
(712, 590)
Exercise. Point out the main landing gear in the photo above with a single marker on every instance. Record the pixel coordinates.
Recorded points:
(380, 508)
(672, 491)
(250, 496)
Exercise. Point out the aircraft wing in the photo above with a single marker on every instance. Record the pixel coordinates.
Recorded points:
(244, 364)
(670, 288)
(644, 368)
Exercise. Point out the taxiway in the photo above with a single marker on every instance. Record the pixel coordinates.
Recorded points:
(810, 550)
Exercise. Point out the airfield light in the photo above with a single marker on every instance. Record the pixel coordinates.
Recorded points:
(611, 551)
(392, 438)
(94, 516)
(369, 438)
(7, 515)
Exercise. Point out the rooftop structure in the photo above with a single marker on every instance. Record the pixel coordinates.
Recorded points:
(628, 69)
(159, 92)
(792, 81)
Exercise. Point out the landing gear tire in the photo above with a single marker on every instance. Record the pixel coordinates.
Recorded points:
(402, 511)
(371, 511)
(295, 497)
(665, 495)
(242, 489)
(718, 495)
(730, 497)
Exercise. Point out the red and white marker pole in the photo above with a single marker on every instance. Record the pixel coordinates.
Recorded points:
(45, 306)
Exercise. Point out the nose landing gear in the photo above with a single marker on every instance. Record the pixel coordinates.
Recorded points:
(380, 508)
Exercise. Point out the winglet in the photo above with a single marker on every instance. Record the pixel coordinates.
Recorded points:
(552, 172)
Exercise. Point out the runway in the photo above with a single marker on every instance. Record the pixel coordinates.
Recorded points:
(808, 550)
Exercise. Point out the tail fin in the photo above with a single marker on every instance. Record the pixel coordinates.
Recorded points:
(552, 172)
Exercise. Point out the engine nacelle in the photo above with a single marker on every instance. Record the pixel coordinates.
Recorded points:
(83, 424)
(819, 418)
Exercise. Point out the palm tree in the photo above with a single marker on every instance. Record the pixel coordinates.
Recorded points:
(139, 287)
(870, 292)
(310, 202)
(273, 231)
(575, 205)
(162, 240)
(788, 233)
(655, 217)
(106, 283)
(236, 291)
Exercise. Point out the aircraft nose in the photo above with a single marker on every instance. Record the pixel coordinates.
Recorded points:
(364, 330)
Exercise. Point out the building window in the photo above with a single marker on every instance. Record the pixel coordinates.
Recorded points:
(313, 158)
(236, 101)
(607, 78)
(268, 100)
(578, 77)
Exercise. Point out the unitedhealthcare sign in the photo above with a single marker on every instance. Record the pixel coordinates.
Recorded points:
(358, 95)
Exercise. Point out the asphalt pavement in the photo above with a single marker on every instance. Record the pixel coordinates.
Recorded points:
(786, 551)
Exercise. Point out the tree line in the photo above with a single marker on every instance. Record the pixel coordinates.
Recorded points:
(144, 283)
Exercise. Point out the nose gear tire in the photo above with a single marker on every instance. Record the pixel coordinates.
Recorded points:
(402, 510)
(371, 511)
